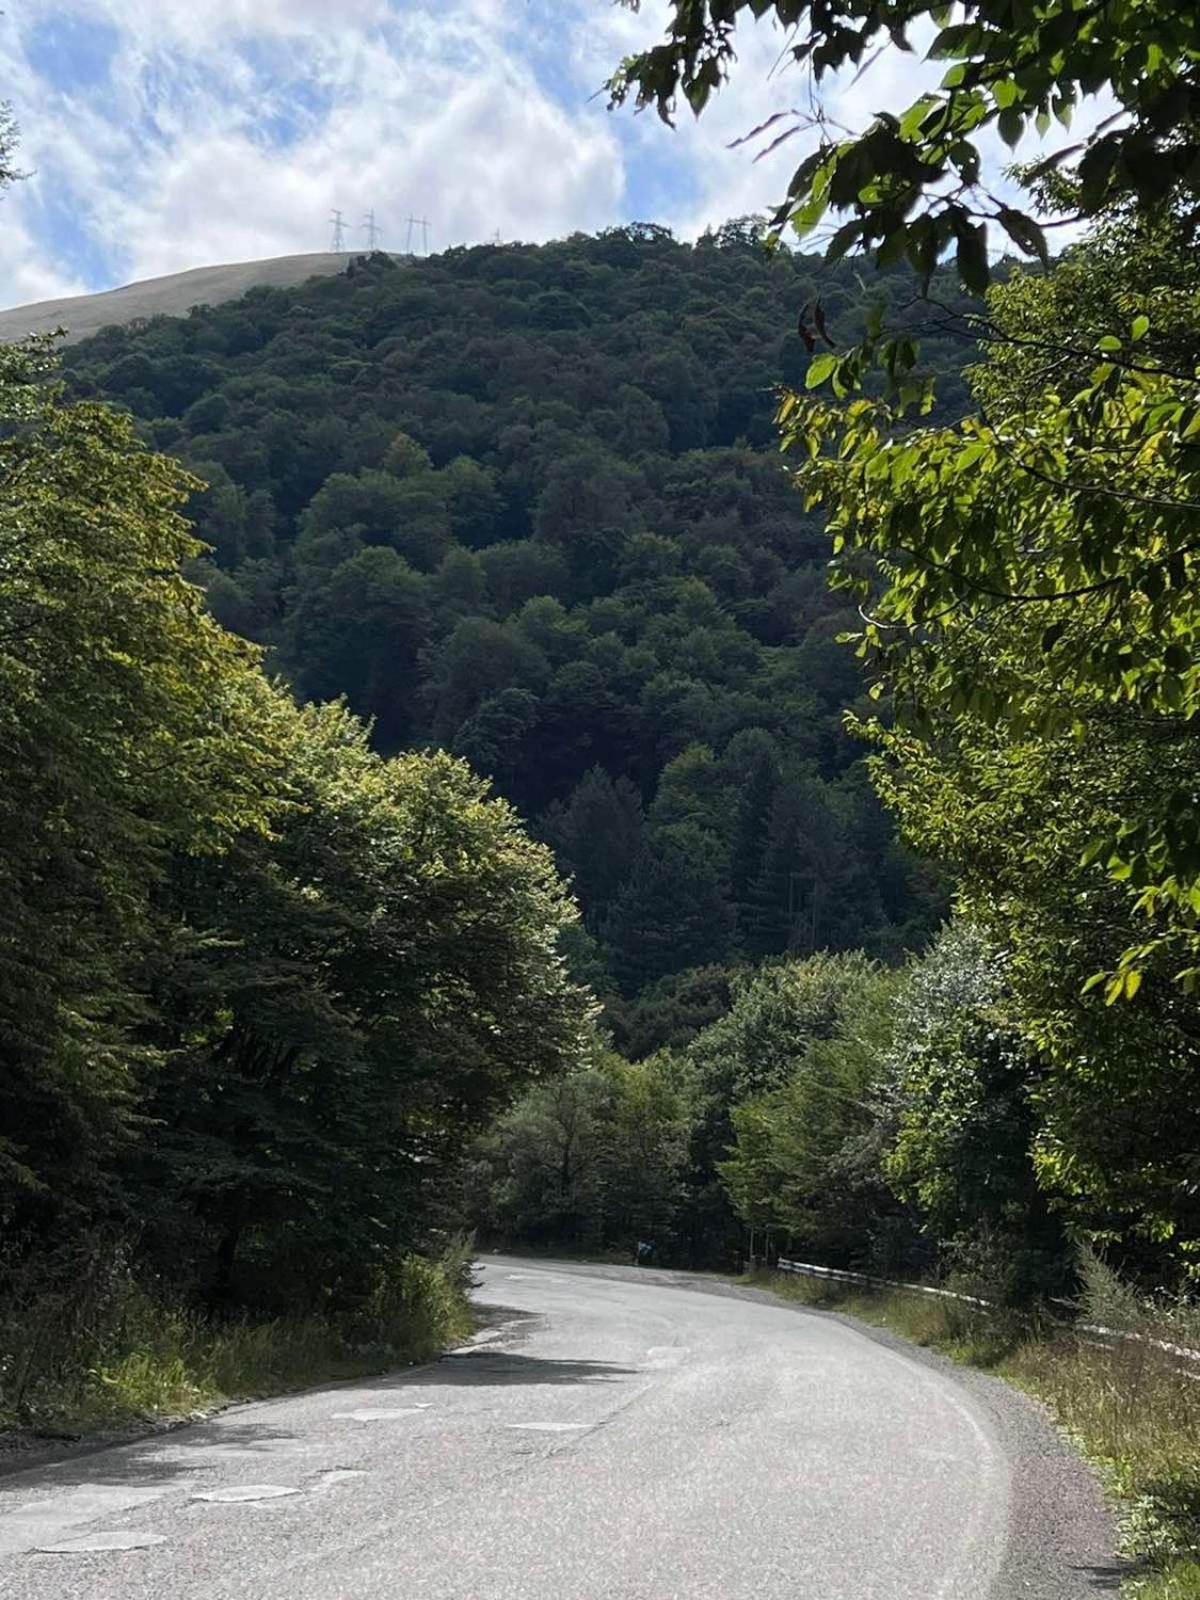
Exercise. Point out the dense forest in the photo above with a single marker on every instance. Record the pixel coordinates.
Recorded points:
(1026, 1082)
(526, 504)
(453, 803)
(441, 794)
(467, 585)
(259, 982)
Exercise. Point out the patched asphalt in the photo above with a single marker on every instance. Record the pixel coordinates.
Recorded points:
(624, 1434)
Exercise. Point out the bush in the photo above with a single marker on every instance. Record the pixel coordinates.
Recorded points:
(84, 1345)
(415, 1306)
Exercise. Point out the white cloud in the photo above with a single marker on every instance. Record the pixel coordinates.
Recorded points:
(222, 130)
(427, 108)
(28, 276)
(728, 182)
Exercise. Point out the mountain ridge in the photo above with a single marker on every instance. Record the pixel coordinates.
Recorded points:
(172, 295)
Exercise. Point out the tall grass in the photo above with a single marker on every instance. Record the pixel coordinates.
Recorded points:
(1133, 1408)
(88, 1347)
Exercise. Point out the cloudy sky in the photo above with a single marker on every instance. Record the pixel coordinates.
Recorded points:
(165, 134)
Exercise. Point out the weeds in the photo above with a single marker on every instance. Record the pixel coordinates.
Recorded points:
(92, 1348)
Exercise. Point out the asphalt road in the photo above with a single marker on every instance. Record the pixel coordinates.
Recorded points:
(630, 1435)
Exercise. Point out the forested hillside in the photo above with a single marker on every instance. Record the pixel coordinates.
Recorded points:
(514, 577)
(1029, 1080)
(526, 504)
(259, 985)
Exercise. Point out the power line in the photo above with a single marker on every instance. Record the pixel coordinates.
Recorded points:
(339, 232)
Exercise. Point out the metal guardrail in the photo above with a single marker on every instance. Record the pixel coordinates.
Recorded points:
(808, 1269)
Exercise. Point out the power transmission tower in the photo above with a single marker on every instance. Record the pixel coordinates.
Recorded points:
(339, 232)
(371, 230)
(423, 224)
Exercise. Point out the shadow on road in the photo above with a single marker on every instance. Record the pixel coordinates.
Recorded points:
(504, 1367)
(160, 1458)
(1109, 1578)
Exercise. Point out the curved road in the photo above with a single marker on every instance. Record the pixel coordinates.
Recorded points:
(621, 1435)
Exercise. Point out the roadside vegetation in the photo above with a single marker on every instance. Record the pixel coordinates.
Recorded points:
(573, 880)
(259, 984)
(99, 1351)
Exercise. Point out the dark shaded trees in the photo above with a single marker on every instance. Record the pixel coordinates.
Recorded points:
(561, 546)
(259, 985)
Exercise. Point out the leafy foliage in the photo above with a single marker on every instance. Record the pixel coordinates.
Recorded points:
(910, 184)
(1034, 567)
(595, 1161)
(524, 503)
(259, 984)
(839, 1110)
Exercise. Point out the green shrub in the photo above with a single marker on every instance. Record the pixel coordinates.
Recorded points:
(88, 1346)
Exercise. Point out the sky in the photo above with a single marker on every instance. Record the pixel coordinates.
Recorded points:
(165, 134)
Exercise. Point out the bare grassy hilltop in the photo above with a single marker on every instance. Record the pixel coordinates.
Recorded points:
(172, 296)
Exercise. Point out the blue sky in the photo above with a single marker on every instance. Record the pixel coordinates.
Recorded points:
(166, 134)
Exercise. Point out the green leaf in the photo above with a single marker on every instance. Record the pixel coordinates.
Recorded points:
(819, 369)
(912, 119)
(1011, 123)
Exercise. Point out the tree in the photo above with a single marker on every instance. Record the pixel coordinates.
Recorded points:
(597, 836)
(670, 1013)
(386, 979)
(671, 912)
(594, 1160)
(1114, 1097)
(1061, 597)
(815, 887)
(477, 661)
(911, 183)
(542, 1177)
(647, 1125)
(358, 631)
(133, 723)
(968, 1089)
(493, 738)
(795, 1169)
(756, 791)
(777, 1013)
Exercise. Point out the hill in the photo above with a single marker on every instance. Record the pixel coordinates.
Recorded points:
(524, 503)
(170, 296)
